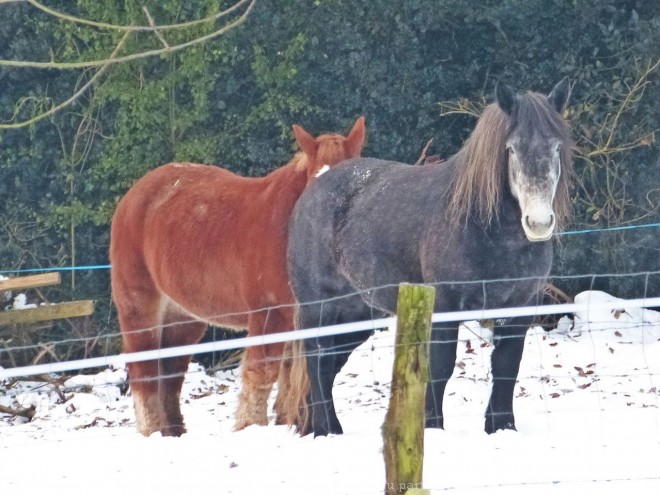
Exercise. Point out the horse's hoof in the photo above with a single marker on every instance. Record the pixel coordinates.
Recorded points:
(494, 429)
(435, 422)
(173, 431)
(324, 431)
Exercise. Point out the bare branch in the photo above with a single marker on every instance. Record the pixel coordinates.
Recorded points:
(422, 156)
(152, 24)
(603, 186)
(105, 25)
(26, 413)
(134, 56)
(631, 97)
(461, 107)
(74, 97)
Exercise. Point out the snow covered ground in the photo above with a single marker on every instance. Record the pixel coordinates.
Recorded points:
(587, 407)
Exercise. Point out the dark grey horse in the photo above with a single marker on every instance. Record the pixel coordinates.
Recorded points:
(486, 215)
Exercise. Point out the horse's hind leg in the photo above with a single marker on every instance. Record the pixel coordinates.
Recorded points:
(139, 319)
(327, 355)
(509, 343)
(260, 368)
(443, 359)
(178, 330)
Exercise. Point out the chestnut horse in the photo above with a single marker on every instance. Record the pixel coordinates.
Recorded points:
(197, 244)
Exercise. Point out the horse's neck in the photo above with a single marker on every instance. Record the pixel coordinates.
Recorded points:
(290, 180)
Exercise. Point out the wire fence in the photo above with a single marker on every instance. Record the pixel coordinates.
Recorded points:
(556, 234)
(340, 329)
(595, 388)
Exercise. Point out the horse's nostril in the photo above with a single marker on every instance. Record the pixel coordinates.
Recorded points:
(531, 223)
(535, 223)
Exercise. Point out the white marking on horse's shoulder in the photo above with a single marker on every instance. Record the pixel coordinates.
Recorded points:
(322, 170)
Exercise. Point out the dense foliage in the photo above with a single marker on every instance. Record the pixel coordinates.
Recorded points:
(417, 70)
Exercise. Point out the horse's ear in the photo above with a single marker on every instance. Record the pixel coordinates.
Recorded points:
(558, 97)
(506, 97)
(355, 139)
(306, 142)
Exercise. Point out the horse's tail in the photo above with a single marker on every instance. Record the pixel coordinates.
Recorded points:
(297, 411)
(291, 403)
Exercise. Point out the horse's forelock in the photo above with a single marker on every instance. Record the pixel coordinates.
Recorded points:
(331, 150)
(535, 112)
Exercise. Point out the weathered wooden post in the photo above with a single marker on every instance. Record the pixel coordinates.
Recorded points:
(41, 313)
(403, 431)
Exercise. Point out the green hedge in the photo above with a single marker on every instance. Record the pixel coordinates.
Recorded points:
(321, 64)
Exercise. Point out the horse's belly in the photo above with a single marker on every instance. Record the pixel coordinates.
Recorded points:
(223, 297)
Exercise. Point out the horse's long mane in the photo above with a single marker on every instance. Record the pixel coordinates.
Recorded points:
(479, 168)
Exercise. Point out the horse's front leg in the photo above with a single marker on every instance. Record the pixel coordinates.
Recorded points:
(442, 362)
(509, 342)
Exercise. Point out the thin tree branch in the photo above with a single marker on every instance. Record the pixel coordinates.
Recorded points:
(153, 24)
(26, 413)
(134, 56)
(105, 25)
(74, 97)
(461, 107)
(641, 82)
(422, 156)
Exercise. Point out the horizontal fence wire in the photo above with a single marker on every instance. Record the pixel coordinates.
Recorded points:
(556, 234)
(120, 360)
(57, 269)
(607, 229)
(364, 293)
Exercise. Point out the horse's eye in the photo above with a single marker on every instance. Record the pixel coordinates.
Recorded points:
(510, 150)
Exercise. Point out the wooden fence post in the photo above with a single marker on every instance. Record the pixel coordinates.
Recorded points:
(41, 313)
(403, 431)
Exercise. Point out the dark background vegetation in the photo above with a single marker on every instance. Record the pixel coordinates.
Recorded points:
(417, 70)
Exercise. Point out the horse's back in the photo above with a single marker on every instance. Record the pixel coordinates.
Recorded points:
(158, 197)
(162, 184)
(173, 222)
(358, 227)
(326, 206)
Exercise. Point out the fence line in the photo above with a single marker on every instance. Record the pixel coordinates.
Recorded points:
(120, 360)
(556, 234)
(111, 335)
(57, 269)
(607, 229)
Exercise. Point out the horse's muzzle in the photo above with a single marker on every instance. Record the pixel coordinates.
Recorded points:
(538, 223)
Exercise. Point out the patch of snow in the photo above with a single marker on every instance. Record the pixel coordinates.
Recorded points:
(20, 302)
(587, 405)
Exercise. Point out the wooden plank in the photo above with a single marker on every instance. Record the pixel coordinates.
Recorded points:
(31, 281)
(48, 312)
(403, 431)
